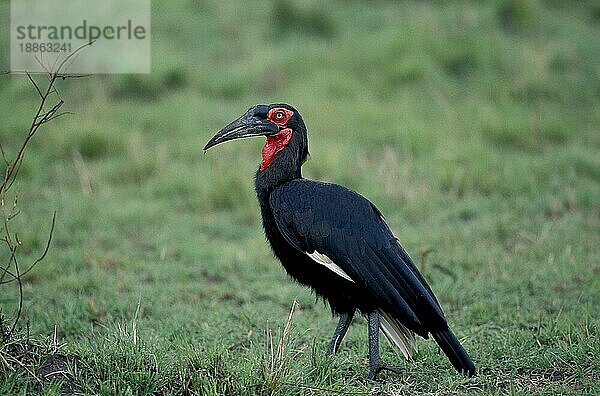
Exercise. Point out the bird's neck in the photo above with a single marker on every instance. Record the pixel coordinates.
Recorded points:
(284, 166)
(272, 177)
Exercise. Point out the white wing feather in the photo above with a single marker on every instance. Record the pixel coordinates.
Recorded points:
(400, 337)
(327, 262)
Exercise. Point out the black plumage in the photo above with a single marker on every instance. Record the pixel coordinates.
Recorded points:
(336, 242)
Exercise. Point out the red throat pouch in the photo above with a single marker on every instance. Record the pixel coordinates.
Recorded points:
(273, 145)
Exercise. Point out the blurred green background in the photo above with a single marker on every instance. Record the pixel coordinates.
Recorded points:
(474, 127)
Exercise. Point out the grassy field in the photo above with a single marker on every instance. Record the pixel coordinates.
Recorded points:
(474, 127)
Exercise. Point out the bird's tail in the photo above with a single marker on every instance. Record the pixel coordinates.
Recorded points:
(455, 352)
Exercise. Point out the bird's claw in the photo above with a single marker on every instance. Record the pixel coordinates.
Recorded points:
(375, 369)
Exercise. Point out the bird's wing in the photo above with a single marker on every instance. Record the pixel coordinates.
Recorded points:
(345, 227)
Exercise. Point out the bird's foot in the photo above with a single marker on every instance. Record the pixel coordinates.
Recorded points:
(376, 368)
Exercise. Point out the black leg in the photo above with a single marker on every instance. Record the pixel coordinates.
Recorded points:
(340, 332)
(375, 362)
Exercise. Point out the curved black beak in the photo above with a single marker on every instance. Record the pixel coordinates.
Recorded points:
(252, 123)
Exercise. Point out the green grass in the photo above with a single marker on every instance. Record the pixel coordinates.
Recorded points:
(474, 126)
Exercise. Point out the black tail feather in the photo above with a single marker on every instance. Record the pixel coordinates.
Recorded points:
(455, 352)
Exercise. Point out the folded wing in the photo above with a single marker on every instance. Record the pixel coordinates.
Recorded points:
(332, 221)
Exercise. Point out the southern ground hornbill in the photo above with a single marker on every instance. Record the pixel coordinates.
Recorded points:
(337, 242)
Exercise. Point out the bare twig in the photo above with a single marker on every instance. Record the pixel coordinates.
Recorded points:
(20, 283)
(64, 113)
(9, 263)
(39, 259)
(46, 111)
(41, 116)
(35, 85)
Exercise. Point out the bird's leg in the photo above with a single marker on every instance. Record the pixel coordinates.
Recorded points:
(375, 362)
(340, 332)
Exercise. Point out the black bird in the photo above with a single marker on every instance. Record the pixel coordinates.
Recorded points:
(336, 242)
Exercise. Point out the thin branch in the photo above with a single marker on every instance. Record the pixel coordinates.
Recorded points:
(45, 112)
(70, 76)
(46, 248)
(36, 262)
(73, 54)
(34, 84)
(41, 116)
(64, 113)
(20, 309)
(13, 215)
(7, 233)
(47, 116)
(6, 270)
(62, 76)
(14, 168)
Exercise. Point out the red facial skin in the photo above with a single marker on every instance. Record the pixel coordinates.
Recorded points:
(278, 116)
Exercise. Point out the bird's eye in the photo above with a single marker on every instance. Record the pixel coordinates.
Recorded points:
(279, 115)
